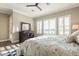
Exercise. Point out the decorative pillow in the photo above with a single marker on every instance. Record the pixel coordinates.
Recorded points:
(75, 33)
(70, 39)
(77, 40)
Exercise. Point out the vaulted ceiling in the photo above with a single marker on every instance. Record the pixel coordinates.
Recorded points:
(47, 8)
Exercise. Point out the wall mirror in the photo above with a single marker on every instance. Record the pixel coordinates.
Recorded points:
(25, 26)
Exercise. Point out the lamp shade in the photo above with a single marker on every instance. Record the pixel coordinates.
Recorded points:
(76, 26)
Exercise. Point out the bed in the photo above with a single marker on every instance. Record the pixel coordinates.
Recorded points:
(48, 45)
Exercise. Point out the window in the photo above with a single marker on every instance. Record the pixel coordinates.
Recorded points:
(46, 27)
(67, 24)
(49, 26)
(39, 27)
(60, 25)
(64, 24)
(52, 26)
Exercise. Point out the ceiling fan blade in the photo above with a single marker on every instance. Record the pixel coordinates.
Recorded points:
(39, 8)
(36, 4)
(30, 5)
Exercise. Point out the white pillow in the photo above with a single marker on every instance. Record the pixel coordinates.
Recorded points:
(77, 40)
(75, 33)
(70, 39)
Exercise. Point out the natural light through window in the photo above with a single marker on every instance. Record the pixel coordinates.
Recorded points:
(67, 24)
(39, 27)
(49, 26)
(64, 24)
(58, 25)
(46, 26)
(52, 26)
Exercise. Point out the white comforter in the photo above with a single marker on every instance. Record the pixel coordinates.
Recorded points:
(48, 46)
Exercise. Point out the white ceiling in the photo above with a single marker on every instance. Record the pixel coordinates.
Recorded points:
(46, 9)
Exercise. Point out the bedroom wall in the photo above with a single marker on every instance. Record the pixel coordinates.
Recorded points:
(16, 18)
(74, 12)
(4, 27)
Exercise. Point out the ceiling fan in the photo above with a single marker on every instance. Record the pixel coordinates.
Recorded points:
(36, 5)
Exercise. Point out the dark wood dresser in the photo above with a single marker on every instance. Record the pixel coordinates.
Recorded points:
(25, 32)
(24, 35)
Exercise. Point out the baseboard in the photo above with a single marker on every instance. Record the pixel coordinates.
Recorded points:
(4, 40)
(15, 41)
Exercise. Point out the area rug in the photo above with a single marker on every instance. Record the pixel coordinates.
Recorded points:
(9, 50)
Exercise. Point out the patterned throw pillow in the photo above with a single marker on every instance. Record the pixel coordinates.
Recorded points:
(75, 33)
(77, 40)
(72, 37)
